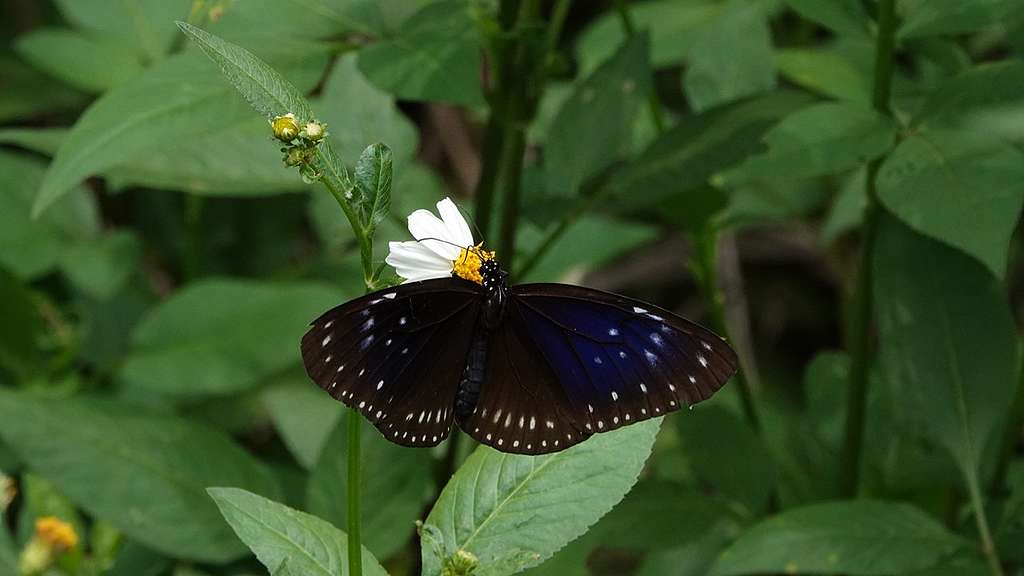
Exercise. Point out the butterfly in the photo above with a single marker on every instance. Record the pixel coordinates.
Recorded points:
(525, 369)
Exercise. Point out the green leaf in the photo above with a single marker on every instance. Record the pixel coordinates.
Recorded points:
(31, 248)
(20, 353)
(28, 92)
(672, 26)
(938, 17)
(512, 511)
(303, 415)
(177, 100)
(165, 463)
(732, 57)
(87, 63)
(947, 341)
(277, 533)
(840, 16)
(8, 555)
(373, 182)
(847, 210)
(591, 241)
(267, 91)
(674, 170)
(961, 188)
(246, 163)
(146, 25)
(818, 140)
(986, 99)
(359, 114)
(712, 424)
(395, 482)
(862, 537)
(435, 55)
(102, 268)
(828, 71)
(219, 336)
(42, 140)
(578, 147)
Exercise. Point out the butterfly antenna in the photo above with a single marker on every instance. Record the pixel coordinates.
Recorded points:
(477, 233)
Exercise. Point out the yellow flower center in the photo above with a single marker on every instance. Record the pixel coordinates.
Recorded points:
(58, 534)
(467, 265)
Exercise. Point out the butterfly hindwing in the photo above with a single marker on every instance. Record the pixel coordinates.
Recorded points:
(522, 408)
(619, 360)
(397, 356)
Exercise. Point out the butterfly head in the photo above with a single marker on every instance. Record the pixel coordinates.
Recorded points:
(477, 265)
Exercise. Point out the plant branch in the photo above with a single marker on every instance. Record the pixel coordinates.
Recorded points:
(354, 520)
(859, 336)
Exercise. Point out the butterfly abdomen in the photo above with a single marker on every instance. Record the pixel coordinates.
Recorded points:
(468, 392)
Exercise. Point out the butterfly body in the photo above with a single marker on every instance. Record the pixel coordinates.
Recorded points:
(528, 369)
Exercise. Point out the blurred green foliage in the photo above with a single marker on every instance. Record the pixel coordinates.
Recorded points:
(756, 164)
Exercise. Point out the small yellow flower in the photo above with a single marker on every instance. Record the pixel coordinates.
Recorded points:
(313, 131)
(58, 534)
(286, 128)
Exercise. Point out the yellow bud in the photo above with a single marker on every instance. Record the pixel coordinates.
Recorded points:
(286, 128)
(58, 534)
(462, 563)
(313, 131)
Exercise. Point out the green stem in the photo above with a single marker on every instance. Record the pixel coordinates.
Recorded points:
(334, 183)
(512, 169)
(193, 265)
(860, 329)
(988, 547)
(355, 555)
(703, 259)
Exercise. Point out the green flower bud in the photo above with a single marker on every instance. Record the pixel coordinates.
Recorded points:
(294, 156)
(462, 563)
(313, 131)
(286, 128)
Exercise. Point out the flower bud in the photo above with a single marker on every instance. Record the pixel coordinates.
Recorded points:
(313, 131)
(286, 128)
(8, 490)
(462, 563)
(52, 538)
(294, 156)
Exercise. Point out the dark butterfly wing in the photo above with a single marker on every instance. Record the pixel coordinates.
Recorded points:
(522, 407)
(603, 360)
(397, 355)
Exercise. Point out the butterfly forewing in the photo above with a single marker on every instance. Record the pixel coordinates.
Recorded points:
(620, 360)
(397, 356)
(522, 407)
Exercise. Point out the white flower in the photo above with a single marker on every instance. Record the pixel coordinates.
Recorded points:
(439, 243)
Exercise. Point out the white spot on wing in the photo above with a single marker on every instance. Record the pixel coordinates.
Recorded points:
(615, 395)
(639, 310)
(643, 388)
(326, 341)
(703, 361)
(380, 385)
(613, 332)
(390, 295)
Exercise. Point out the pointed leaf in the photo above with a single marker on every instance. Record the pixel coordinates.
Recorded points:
(577, 146)
(220, 336)
(165, 464)
(279, 534)
(269, 93)
(511, 512)
(857, 538)
(947, 341)
(435, 55)
(820, 139)
(732, 57)
(962, 188)
(373, 182)
(841, 16)
(87, 63)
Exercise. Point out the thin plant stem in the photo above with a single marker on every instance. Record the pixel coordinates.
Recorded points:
(988, 547)
(703, 261)
(193, 264)
(355, 548)
(355, 552)
(859, 341)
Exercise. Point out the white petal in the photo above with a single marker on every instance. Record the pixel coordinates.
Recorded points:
(458, 230)
(414, 261)
(433, 233)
